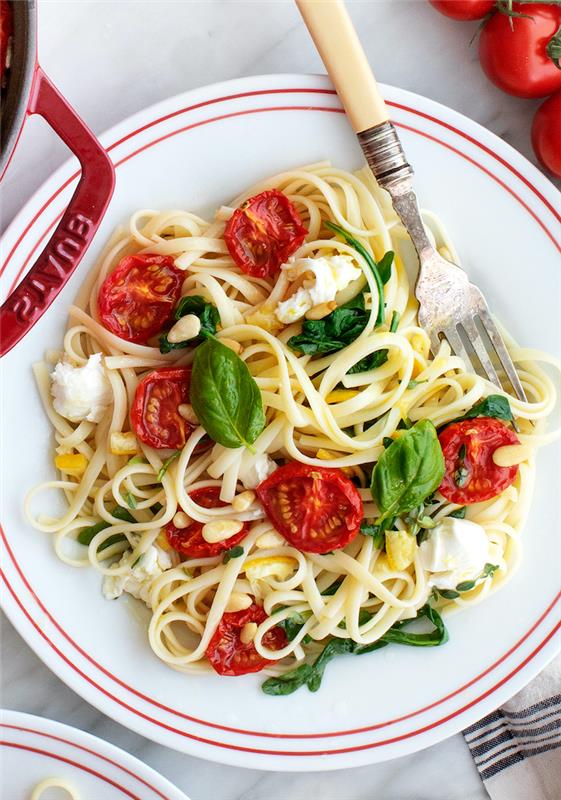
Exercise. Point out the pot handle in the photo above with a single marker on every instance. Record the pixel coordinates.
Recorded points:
(73, 234)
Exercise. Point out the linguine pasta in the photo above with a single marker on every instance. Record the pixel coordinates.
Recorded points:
(317, 411)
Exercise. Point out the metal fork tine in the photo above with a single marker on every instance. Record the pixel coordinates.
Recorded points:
(502, 352)
(434, 342)
(457, 346)
(479, 346)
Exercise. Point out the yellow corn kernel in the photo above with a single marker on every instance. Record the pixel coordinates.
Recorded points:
(340, 395)
(71, 462)
(277, 566)
(123, 444)
(400, 549)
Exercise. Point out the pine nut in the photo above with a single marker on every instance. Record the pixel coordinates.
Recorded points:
(238, 602)
(220, 529)
(231, 344)
(247, 633)
(242, 501)
(187, 413)
(321, 311)
(184, 329)
(181, 520)
(511, 454)
(269, 540)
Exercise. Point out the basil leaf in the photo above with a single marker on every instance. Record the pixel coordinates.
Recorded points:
(408, 471)
(233, 552)
(394, 324)
(87, 534)
(376, 532)
(489, 570)
(495, 406)
(311, 674)
(361, 249)
(225, 397)
(205, 311)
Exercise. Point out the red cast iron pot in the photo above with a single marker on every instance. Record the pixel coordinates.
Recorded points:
(29, 91)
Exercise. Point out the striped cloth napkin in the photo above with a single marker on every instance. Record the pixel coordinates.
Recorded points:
(517, 748)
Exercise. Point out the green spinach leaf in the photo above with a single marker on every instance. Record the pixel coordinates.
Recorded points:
(361, 249)
(495, 406)
(87, 534)
(205, 311)
(311, 674)
(225, 397)
(333, 332)
(408, 471)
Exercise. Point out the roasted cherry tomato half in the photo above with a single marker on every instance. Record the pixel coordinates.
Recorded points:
(136, 300)
(316, 509)
(546, 134)
(155, 416)
(189, 541)
(513, 50)
(229, 655)
(6, 30)
(471, 474)
(263, 233)
(464, 9)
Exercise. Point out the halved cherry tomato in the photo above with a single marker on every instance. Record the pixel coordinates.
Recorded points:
(263, 233)
(512, 50)
(464, 9)
(229, 655)
(546, 134)
(471, 474)
(137, 299)
(316, 509)
(155, 417)
(189, 541)
(6, 30)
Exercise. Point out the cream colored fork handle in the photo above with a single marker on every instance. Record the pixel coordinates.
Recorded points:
(341, 51)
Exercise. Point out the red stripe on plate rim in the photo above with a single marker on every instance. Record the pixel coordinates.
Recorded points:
(105, 779)
(84, 749)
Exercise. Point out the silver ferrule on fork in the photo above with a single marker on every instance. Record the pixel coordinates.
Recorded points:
(386, 158)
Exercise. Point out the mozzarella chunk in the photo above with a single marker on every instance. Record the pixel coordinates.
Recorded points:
(81, 392)
(137, 581)
(255, 468)
(331, 275)
(456, 550)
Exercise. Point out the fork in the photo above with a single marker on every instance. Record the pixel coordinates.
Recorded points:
(450, 307)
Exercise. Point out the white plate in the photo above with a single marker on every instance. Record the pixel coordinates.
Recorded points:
(196, 151)
(34, 748)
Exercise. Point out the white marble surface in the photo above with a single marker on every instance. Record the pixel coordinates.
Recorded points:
(111, 59)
